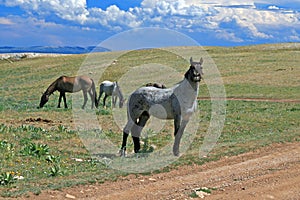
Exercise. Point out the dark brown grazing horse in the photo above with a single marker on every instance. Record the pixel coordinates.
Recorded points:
(157, 85)
(71, 84)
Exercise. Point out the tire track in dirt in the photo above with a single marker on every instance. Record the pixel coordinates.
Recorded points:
(271, 172)
(251, 99)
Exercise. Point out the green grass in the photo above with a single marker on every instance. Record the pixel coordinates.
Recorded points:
(44, 147)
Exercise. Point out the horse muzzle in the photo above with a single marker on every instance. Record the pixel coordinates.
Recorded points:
(197, 78)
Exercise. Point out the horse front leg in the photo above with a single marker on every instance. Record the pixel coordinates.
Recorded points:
(65, 100)
(179, 126)
(114, 100)
(85, 99)
(104, 99)
(59, 99)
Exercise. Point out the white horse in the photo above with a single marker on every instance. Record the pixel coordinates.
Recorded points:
(111, 89)
(177, 103)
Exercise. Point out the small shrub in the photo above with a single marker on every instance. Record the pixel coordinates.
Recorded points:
(33, 149)
(55, 170)
(62, 128)
(7, 178)
(52, 159)
(201, 192)
(146, 148)
(6, 145)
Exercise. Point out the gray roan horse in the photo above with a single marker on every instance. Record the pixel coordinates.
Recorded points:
(71, 84)
(178, 103)
(111, 89)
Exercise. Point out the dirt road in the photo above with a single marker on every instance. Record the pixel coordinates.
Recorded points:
(268, 173)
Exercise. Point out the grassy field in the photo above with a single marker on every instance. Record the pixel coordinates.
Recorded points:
(41, 148)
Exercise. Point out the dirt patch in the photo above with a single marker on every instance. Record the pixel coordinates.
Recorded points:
(271, 172)
(38, 120)
(252, 99)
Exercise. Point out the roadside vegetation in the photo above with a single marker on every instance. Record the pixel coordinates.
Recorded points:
(41, 148)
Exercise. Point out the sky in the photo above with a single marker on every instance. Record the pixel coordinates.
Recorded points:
(85, 23)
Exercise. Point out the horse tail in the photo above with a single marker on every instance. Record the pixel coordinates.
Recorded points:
(94, 93)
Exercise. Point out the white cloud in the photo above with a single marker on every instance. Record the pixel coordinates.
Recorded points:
(5, 21)
(113, 18)
(31, 31)
(222, 34)
(65, 9)
(221, 2)
(254, 21)
(273, 8)
(182, 15)
(211, 14)
(294, 38)
(22, 29)
(277, 2)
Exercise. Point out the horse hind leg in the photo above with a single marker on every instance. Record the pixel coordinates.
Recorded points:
(65, 100)
(126, 132)
(137, 129)
(92, 98)
(114, 100)
(85, 99)
(133, 126)
(104, 99)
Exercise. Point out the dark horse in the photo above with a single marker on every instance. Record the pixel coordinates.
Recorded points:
(177, 103)
(71, 84)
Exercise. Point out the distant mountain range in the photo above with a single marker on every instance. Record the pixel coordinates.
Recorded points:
(56, 50)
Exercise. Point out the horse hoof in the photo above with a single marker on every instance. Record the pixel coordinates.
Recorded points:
(122, 153)
(176, 153)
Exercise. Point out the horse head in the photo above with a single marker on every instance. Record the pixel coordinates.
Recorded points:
(44, 100)
(119, 94)
(195, 71)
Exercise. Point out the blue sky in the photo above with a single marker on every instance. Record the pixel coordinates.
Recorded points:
(89, 22)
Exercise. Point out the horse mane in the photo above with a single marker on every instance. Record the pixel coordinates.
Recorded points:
(52, 86)
(187, 72)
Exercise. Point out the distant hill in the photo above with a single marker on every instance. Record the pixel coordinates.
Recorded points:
(55, 50)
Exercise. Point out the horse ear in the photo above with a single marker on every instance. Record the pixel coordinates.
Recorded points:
(201, 61)
(191, 60)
